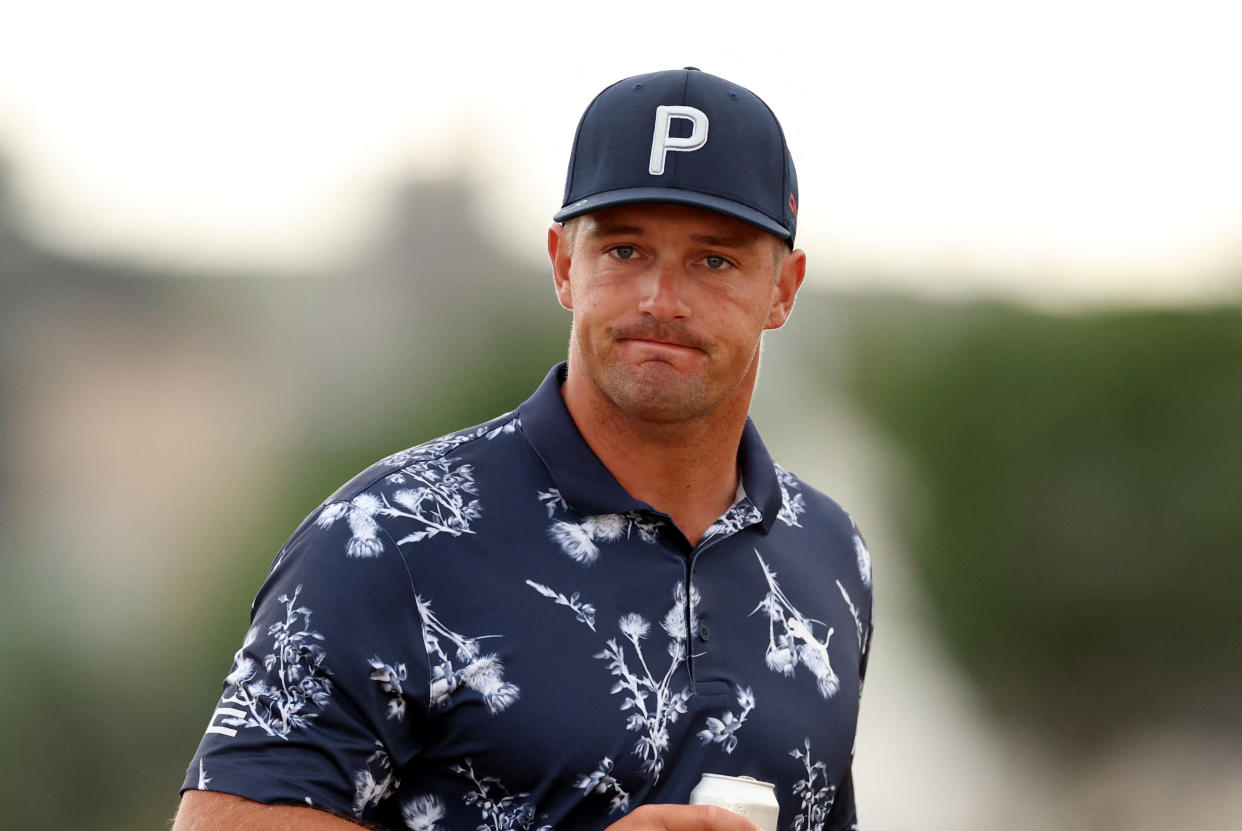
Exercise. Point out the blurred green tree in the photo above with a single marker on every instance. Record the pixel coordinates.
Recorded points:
(1078, 517)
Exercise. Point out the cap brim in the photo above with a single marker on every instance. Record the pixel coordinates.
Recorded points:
(637, 196)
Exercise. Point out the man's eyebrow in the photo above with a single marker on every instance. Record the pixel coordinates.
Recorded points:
(741, 241)
(598, 230)
(737, 241)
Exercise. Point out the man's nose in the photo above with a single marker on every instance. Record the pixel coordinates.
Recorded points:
(662, 294)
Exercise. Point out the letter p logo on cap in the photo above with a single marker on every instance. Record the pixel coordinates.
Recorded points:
(662, 141)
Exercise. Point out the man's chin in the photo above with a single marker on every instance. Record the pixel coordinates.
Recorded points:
(661, 400)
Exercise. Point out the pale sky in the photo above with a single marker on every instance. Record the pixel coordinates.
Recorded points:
(1045, 150)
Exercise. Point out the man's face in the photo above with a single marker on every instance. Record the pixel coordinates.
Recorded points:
(669, 305)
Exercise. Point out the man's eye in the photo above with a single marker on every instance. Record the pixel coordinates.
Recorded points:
(715, 261)
(624, 252)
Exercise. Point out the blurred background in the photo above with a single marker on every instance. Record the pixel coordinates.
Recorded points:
(238, 242)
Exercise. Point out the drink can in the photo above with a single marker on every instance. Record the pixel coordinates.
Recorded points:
(749, 797)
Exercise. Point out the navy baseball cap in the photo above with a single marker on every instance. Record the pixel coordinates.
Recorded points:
(686, 137)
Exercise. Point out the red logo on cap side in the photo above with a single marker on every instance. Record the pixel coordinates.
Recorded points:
(793, 205)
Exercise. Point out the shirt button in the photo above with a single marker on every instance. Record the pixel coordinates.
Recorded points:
(704, 633)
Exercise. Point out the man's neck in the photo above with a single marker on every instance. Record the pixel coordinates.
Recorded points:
(688, 469)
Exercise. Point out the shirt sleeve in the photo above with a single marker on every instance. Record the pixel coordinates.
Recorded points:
(327, 697)
(843, 816)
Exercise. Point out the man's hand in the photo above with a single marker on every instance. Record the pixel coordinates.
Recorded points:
(682, 818)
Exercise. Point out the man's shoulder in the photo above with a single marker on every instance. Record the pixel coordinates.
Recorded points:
(804, 504)
(808, 509)
(456, 448)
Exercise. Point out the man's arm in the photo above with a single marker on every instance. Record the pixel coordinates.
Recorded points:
(214, 811)
(211, 811)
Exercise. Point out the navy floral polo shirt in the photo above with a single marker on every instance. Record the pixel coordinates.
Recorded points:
(487, 632)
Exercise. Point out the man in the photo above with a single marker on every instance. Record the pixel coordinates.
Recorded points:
(564, 617)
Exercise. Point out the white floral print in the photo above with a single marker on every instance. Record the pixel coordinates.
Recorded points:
(553, 501)
(792, 503)
(500, 810)
(654, 702)
(739, 516)
(723, 730)
(389, 678)
(507, 427)
(360, 512)
(579, 539)
(296, 662)
(482, 673)
(814, 791)
(375, 782)
(601, 781)
(439, 447)
(428, 450)
(675, 623)
(863, 555)
(423, 813)
(853, 612)
(437, 497)
(585, 612)
(791, 638)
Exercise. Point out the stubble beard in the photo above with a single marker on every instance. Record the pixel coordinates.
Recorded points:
(655, 392)
(655, 396)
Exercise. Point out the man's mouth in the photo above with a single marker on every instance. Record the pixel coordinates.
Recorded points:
(661, 337)
(662, 344)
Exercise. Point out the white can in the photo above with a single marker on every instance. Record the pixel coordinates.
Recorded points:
(749, 797)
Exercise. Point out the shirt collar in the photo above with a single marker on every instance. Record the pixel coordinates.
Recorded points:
(588, 486)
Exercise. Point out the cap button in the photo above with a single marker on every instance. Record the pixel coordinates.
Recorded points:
(693, 69)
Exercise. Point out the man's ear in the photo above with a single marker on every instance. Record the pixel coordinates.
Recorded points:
(560, 252)
(793, 272)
